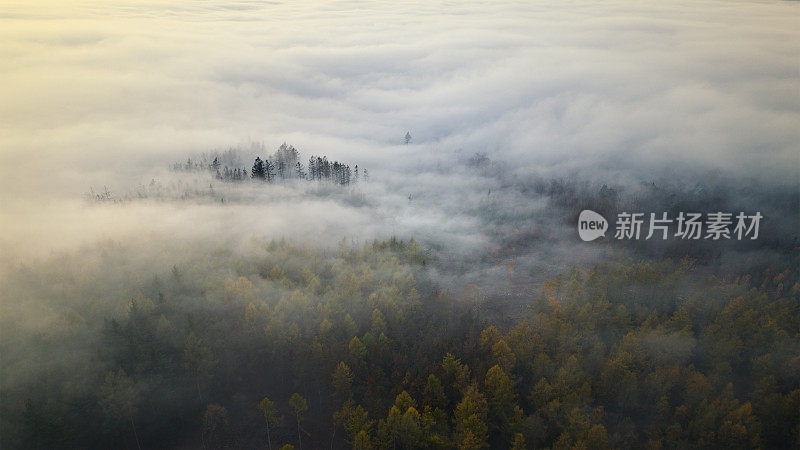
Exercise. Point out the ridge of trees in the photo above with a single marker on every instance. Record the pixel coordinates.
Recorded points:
(284, 164)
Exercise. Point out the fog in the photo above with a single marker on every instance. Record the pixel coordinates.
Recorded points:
(122, 263)
(104, 94)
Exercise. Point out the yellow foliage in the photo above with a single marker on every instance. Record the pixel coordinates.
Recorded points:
(241, 289)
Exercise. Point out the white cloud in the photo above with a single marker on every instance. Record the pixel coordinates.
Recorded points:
(94, 94)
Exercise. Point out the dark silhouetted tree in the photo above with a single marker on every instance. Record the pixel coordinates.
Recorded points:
(258, 172)
(119, 399)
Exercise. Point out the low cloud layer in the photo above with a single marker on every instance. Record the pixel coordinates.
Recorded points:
(106, 94)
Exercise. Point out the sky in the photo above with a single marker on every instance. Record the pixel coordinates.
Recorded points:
(104, 93)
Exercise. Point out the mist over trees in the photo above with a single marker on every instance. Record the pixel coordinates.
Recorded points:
(284, 164)
(403, 343)
(359, 347)
(375, 288)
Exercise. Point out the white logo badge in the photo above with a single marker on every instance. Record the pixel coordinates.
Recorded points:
(591, 225)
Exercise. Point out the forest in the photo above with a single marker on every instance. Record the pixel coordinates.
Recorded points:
(399, 342)
(287, 345)
(283, 225)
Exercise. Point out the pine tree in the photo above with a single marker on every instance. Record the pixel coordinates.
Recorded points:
(312, 168)
(258, 172)
(269, 170)
(281, 169)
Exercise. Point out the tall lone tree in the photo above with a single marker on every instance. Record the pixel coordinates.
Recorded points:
(271, 416)
(407, 139)
(300, 406)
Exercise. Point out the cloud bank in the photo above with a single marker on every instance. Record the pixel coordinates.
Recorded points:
(101, 94)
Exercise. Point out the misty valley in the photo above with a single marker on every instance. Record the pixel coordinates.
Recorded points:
(383, 225)
(398, 340)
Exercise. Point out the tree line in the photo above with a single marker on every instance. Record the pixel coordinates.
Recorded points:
(282, 165)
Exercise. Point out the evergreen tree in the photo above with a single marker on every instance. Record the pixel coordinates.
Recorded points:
(269, 170)
(299, 170)
(258, 172)
(312, 168)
